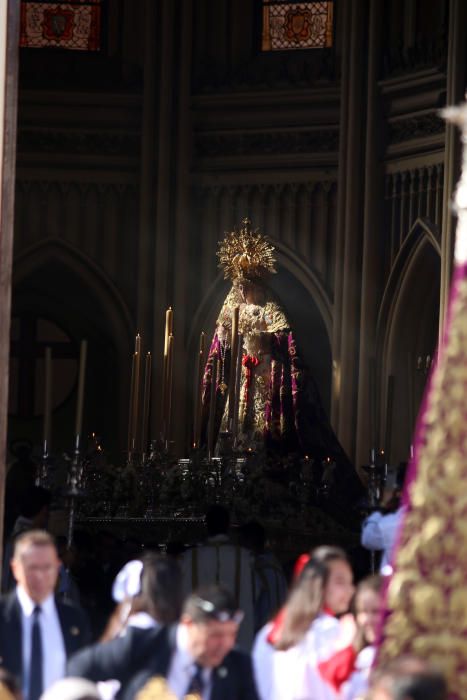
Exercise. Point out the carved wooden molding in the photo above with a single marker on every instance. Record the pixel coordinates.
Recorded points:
(208, 145)
(399, 60)
(415, 127)
(218, 189)
(267, 71)
(65, 186)
(78, 142)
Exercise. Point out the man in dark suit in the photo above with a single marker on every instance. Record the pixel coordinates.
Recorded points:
(195, 656)
(37, 632)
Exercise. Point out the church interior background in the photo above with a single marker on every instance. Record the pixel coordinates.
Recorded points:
(138, 150)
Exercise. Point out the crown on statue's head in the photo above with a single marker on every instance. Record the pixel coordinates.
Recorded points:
(246, 254)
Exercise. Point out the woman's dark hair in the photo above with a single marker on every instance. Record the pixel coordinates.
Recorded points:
(303, 604)
(307, 596)
(161, 595)
(161, 589)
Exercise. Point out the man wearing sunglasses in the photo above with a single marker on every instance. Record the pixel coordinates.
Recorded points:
(196, 657)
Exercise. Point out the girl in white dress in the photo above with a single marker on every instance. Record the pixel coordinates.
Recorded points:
(148, 593)
(288, 653)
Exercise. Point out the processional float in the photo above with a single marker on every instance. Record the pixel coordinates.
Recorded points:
(426, 605)
(252, 428)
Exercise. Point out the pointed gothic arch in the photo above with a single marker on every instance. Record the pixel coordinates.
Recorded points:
(406, 331)
(52, 272)
(61, 252)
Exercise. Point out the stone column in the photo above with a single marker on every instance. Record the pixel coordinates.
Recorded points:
(184, 366)
(346, 321)
(373, 246)
(165, 198)
(147, 174)
(9, 34)
(455, 87)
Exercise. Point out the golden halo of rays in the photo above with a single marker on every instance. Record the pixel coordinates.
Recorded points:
(246, 254)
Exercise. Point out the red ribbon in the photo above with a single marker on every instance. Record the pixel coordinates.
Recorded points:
(249, 362)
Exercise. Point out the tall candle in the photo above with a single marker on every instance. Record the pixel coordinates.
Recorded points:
(81, 377)
(199, 394)
(167, 334)
(47, 399)
(135, 395)
(168, 411)
(233, 366)
(212, 406)
(135, 413)
(238, 383)
(146, 401)
(130, 410)
(168, 329)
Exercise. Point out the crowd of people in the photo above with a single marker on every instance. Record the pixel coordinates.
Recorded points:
(218, 621)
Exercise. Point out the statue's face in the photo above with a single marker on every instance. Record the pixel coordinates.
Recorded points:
(252, 293)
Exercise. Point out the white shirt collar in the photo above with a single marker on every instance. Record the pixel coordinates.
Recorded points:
(27, 604)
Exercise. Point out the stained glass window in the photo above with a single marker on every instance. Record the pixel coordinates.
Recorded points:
(63, 25)
(297, 25)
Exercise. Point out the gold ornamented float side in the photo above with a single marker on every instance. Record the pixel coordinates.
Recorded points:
(427, 595)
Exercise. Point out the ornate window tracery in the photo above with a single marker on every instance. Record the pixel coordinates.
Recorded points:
(297, 25)
(74, 25)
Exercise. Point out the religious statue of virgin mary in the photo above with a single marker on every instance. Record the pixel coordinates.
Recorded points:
(264, 398)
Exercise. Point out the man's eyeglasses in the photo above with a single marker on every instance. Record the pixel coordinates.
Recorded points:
(220, 615)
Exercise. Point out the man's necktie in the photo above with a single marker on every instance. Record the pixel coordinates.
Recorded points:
(36, 680)
(196, 684)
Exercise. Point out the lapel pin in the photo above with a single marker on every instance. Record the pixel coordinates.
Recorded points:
(222, 672)
(74, 631)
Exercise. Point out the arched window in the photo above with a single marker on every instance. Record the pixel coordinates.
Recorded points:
(297, 25)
